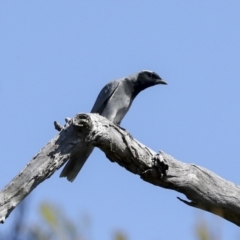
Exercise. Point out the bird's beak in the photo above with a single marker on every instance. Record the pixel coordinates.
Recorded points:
(160, 81)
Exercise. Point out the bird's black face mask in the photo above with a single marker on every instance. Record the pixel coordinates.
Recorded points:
(147, 79)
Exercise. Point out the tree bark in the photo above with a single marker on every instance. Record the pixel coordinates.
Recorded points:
(204, 189)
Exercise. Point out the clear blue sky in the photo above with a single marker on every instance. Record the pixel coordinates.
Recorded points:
(55, 56)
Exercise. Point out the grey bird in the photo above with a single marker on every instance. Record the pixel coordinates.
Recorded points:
(113, 102)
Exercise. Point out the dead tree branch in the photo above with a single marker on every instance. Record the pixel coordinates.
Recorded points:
(204, 189)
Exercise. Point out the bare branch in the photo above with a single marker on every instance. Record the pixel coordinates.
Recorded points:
(203, 188)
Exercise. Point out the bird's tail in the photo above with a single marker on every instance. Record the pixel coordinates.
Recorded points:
(75, 163)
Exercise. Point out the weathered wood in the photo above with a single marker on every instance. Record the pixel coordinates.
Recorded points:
(50, 158)
(203, 188)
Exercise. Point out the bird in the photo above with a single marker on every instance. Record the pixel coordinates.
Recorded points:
(113, 102)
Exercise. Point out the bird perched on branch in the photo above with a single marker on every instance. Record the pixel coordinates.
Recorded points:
(113, 102)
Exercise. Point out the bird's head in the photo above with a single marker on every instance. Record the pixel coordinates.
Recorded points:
(145, 79)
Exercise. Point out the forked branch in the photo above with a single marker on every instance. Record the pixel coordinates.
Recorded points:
(204, 189)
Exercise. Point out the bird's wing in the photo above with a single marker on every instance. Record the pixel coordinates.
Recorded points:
(104, 95)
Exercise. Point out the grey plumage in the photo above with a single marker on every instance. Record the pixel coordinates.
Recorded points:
(113, 102)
